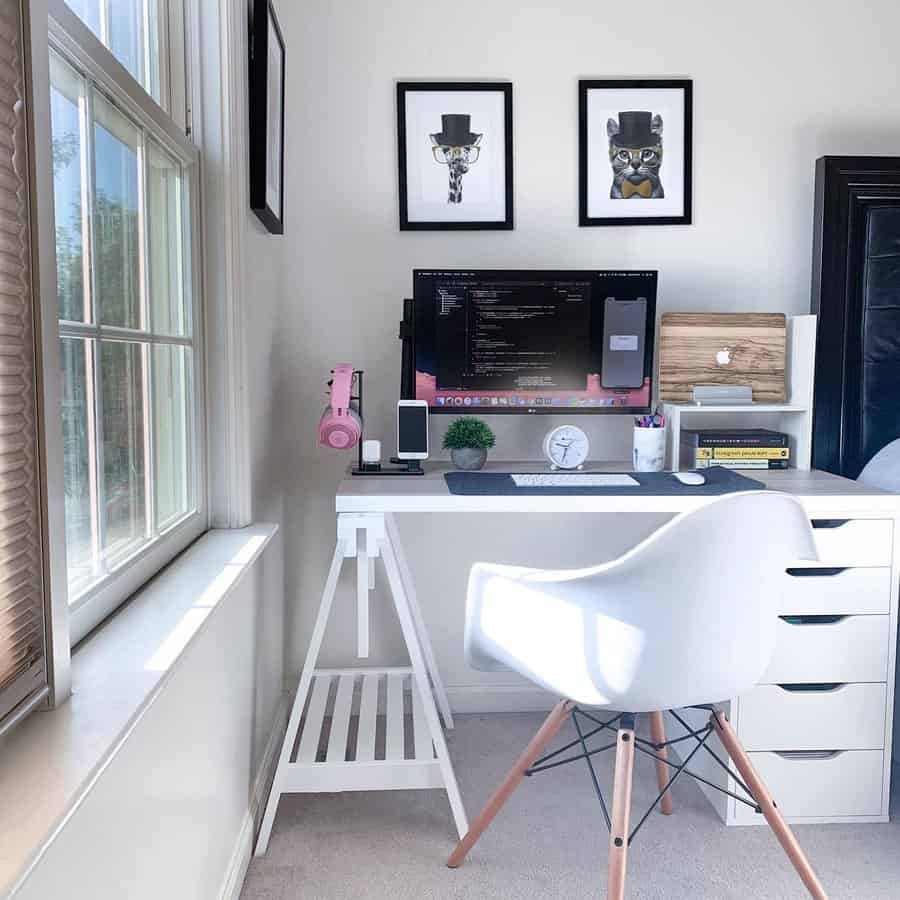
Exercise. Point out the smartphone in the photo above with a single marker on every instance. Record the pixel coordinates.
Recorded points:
(412, 429)
(624, 331)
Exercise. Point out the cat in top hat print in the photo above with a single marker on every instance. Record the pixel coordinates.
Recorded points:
(635, 154)
(457, 147)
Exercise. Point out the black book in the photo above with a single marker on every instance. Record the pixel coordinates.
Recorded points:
(734, 437)
(734, 448)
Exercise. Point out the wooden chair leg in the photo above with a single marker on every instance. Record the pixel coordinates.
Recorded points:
(621, 810)
(658, 736)
(545, 734)
(773, 816)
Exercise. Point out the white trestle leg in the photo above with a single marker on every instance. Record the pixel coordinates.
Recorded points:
(321, 750)
(420, 678)
(409, 588)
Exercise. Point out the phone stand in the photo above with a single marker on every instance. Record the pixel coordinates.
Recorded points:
(411, 466)
(407, 467)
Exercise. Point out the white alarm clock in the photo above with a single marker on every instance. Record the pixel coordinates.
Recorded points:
(566, 447)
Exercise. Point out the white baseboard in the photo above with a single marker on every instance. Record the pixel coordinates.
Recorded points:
(485, 698)
(259, 792)
(491, 698)
(240, 861)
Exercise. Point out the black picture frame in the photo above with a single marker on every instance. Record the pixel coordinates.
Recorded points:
(262, 17)
(404, 88)
(585, 159)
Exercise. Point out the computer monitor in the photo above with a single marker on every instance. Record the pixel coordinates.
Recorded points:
(547, 341)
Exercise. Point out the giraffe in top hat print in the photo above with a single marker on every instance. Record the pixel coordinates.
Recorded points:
(457, 147)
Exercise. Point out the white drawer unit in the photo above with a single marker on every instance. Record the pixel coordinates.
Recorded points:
(830, 648)
(854, 542)
(819, 785)
(812, 717)
(819, 725)
(836, 590)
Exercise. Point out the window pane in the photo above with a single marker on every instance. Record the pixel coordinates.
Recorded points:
(88, 11)
(116, 230)
(81, 530)
(66, 101)
(171, 367)
(129, 29)
(126, 38)
(164, 228)
(124, 486)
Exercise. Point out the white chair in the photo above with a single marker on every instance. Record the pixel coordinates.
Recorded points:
(685, 619)
(883, 469)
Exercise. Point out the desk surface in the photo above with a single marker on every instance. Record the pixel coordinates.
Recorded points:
(820, 492)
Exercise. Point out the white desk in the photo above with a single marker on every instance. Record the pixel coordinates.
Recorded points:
(824, 750)
(820, 492)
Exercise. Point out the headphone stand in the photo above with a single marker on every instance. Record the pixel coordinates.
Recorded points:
(408, 466)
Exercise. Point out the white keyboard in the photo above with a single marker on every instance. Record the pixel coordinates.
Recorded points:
(575, 479)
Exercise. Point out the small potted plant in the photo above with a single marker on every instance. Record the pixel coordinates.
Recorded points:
(468, 440)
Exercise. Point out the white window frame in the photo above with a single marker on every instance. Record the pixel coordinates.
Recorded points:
(69, 36)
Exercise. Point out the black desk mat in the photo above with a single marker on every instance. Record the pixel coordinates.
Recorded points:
(718, 481)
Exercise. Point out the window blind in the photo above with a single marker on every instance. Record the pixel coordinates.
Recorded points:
(22, 641)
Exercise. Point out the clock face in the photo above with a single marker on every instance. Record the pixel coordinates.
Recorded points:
(566, 447)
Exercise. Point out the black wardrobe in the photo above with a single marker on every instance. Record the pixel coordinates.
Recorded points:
(856, 295)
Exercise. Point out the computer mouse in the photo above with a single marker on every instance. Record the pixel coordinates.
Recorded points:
(692, 478)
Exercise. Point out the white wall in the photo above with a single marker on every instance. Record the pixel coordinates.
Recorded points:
(775, 86)
(265, 300)
(172, 812)
(265, 309)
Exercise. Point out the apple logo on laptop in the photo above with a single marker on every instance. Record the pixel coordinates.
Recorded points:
(723, 357)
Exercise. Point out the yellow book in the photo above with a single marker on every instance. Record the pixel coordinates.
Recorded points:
(747, 452)
(734, 463)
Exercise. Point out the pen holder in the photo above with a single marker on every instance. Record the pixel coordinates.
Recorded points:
(649, 449)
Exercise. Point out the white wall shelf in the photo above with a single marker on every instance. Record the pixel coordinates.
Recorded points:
(794, 417)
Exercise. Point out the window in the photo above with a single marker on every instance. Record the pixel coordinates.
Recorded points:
(127, 303)
(129, 29)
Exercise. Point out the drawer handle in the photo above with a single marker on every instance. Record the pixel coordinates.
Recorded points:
(813, 620)
(829, 523)
(819, 572)
(826, 687)
(808, 754)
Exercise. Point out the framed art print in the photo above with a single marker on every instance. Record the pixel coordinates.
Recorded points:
(267, 117)
(634, 152)
(454, 146)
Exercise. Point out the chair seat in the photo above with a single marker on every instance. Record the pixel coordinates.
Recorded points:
(654, 629)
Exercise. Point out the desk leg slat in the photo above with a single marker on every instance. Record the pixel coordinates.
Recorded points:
(393, 748)
(340, 720)
(315, 715)
(368, 717)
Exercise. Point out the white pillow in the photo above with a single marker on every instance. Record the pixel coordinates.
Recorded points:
(883, 469)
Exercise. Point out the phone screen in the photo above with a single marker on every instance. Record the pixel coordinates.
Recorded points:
(624, 328)
(412, 429)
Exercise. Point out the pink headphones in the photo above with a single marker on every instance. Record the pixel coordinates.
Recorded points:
(340, 426)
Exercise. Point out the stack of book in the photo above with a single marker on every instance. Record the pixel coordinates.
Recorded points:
(734, 448)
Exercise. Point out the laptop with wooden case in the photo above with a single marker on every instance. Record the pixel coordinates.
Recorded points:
(722, 348)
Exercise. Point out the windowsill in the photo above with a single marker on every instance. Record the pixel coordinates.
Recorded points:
(51, 760)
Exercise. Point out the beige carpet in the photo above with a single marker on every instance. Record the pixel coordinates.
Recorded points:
(549, 842)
